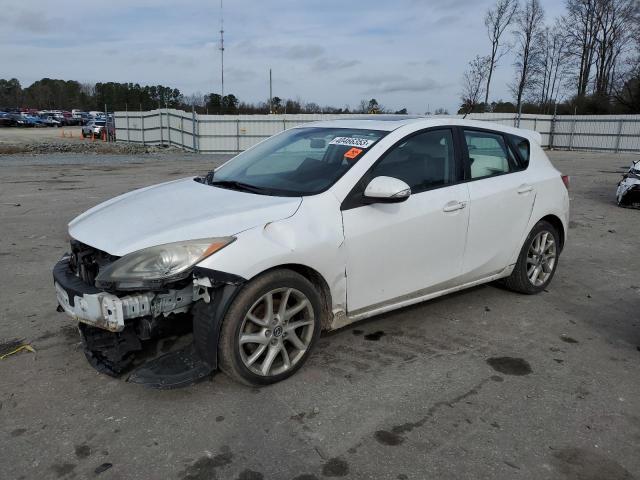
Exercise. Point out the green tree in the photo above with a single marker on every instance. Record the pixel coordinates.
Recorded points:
(230, 104)
(214, 104)
(276, 104)
(10, 93)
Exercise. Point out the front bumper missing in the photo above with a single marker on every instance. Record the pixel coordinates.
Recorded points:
(114, 344)
(101, 309)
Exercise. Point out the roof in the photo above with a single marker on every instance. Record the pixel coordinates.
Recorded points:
(392, 122)
(368, 122)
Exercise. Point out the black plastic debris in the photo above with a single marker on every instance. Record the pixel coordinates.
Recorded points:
(103, 468)
(173, 370)
(108, 352)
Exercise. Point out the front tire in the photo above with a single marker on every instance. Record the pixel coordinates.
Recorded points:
(537, 261)
(270, 328)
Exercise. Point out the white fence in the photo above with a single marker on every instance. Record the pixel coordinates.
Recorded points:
(235, 133)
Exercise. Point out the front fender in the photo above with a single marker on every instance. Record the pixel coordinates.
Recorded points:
(312, 237)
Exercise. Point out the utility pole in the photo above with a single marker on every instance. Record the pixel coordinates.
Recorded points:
(270, 93)
(221, 48)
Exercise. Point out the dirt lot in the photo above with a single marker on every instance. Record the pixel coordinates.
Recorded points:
(61, 140)
(39, 134)
(409, 395)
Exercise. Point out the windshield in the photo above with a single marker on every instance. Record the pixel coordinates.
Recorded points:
(300, 161)
(99, 123)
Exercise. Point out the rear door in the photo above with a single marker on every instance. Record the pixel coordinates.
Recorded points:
(501, 198)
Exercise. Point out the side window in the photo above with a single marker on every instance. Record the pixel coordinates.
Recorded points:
(423, 161)
(524, 149)
(488, 154)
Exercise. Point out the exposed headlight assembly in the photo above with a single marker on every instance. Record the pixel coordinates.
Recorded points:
(155, 266)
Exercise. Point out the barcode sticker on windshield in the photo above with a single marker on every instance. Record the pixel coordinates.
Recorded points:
(352, 142)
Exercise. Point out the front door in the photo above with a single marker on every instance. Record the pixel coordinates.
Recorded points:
(401, 249)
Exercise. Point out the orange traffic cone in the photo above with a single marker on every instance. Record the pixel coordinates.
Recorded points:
(104, 136)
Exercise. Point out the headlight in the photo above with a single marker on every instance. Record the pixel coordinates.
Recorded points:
(155, 266)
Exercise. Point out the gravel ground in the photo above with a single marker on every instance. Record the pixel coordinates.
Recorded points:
(413, 394)
(52, 140)
(37, 135)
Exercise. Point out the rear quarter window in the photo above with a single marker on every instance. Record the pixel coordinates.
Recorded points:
(523, 148)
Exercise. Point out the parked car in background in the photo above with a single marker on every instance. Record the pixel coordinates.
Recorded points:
(6, 120)
(313, 229)
(21, 120)
(94, 127)
(50, 121)
(35, 120)
(628, 192)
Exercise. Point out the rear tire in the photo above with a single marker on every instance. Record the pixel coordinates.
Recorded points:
(537, 261)
(264, 341)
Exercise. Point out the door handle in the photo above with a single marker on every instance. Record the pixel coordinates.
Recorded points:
(453, 206)
(524, 188)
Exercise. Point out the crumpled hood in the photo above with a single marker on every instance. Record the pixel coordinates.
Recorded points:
(175, 211)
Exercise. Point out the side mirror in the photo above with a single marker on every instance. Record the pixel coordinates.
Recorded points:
(387, 190)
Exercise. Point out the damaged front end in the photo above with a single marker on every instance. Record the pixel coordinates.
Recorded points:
(119, 313)
(628, 192)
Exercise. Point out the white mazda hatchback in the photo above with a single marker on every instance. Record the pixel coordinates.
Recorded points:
(312, 229)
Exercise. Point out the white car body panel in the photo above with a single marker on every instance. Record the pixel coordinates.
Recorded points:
(392, 248)
(373, 258)
(498, 218)
(174, 211)
(313, 237)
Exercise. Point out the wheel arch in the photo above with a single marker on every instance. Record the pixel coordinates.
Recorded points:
(558, 225)
(318, 281)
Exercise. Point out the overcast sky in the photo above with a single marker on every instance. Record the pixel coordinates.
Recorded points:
(404, 53)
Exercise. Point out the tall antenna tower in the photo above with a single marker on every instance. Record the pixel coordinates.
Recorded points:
(221, 48)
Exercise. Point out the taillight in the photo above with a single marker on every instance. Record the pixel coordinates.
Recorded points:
(565, 180)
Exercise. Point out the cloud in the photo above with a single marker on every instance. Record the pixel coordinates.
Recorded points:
(406, 85)
(394, 83)
(293, 52)
(376, 79)
(332, 64)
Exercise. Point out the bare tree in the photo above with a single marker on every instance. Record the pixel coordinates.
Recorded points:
(615, 20)
(196, 99)
(473, 83)
(580, 26)
(528, 33)
(553, 68)
(626, 83)
(497, 20)
(88, 89)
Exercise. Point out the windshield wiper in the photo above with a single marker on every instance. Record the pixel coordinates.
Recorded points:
(234, 185)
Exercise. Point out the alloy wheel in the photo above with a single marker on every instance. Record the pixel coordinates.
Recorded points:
(276, 332)
(541, 258)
